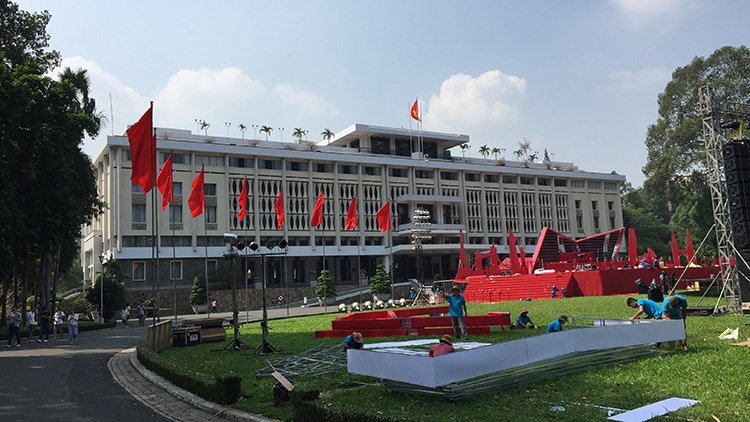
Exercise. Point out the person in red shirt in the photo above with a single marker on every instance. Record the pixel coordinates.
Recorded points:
(444, 346)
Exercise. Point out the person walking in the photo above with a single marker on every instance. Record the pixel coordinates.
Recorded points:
(73, 328)
(125, 315)
(141, 314)
(14, 327)
(31, 322)
(44, 317)
(457, 310)
(59, 321)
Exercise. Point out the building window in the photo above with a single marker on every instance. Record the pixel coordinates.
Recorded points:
(576, 183)
(177, 241)
(561, 183)
(398, 172)
(241, 162)
(211, 215)
(610, 205)
(424, 174)
(176, 188)
(471, 177)
(209, 160)
(297, 166)
(611, 222)
(344, 169)
(593, 184)
(139, 270)
(323, 167)
(269, 164)
(594, 205)
(212, 265)
(126, 155)
(137, 189)
(543, 181)
(175, 213)
(610, 185)
(448, 175)
(139, 213)
(527, 180)
(491, 178)
(372, 171)
(209, 189)
(175, 270)
(579, 223)
(596, 223)
(509, 179)
(176, 158)
(137, 241)
(578, 204)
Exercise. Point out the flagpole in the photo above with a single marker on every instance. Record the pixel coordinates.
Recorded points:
(390, 243)
(171, 269)
(411, 144)
(205, 235)
(154, 228)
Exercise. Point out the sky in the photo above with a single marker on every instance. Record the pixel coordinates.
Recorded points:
(578, 78)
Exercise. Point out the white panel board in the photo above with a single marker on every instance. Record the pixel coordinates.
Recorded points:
(459, 366)
(653, 410)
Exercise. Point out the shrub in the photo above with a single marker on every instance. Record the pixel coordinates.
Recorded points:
(198, 293)
(114, 293)
(223, 389)
(380, 282)
(325, 287)
(77, 304)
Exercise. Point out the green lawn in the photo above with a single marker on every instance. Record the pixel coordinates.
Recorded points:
(712, 371)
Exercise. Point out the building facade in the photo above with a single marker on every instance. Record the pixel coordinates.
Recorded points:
(481, 197)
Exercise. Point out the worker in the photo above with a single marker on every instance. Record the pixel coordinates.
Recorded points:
(523, 320)
(556, 325)
(645, 306)
(457, 311)
(444, 346)
(675, 307)
(353, 341)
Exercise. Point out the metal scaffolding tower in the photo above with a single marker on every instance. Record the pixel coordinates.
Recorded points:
(712, 116)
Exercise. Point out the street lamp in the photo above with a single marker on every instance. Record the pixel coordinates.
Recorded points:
(101, 290)
(232, 246)
(255, 132)
(281, 129)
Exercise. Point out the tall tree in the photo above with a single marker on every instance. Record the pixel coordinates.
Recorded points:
(267, 130)
(327, 135)
(298, 133)
(484, 151)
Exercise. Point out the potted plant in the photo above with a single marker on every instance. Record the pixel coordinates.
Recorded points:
(380, 284)
(198, 299)
(325, 288)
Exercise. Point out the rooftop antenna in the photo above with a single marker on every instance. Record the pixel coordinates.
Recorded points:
(111, 114)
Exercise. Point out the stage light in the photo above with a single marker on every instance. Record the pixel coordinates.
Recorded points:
(283, 243)
(254, 246)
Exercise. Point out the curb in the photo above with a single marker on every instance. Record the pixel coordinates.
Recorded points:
(191, 398)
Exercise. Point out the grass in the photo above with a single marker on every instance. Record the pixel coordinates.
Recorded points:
(712, 371)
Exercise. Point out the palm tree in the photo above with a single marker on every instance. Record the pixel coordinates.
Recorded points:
(496, 152)
(298, 133)
(204, 125)
(267, 130)
(327, 135)
(79, 80)
(484, 151)
(464, 148)
(243, 128)
(518, 153)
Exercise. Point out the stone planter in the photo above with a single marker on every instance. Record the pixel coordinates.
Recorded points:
(381, 296)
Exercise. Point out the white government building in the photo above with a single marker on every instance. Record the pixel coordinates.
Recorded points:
(479, 196)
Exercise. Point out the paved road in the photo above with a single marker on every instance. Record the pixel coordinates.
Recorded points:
(57, 381)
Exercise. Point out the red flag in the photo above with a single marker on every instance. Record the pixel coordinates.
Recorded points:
(197, 199)
(243, 201)
(278, 206)
(415, 111)
(143, 150)
(351, 215)
(164, 183)
(384, 217)
(316, 218)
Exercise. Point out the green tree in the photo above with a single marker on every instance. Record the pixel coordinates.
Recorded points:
(484, 151)
(114, 288)
(325, 286)
(198, 292)
(464, 147)
(327, 135)
(267, 130)
(496, 151)
(380, 282)
(298, 133)
(243, 128)
(676, 159)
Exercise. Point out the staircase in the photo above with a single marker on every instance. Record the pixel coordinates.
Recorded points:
(530, 286)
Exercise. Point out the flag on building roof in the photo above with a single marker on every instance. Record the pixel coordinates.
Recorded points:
(243, 201)
(143, 151)
(164, 183)
(384, 217)
(197, 199)
(351, 215)
(415, 111)
(316, 218)
(278, 206)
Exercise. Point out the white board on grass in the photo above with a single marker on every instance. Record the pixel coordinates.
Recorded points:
(653, 410)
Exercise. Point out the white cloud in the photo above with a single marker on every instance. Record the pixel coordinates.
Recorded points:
(651, 79)
(464, 101)
(640, 12)
(216, 96)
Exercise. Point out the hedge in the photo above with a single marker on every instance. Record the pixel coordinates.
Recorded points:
(224, 389)
(308, 407)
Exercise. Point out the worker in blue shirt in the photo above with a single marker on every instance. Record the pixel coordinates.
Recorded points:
(675, 307)
(524, 320)
(556, 325)
(645, 306)
(457, 311)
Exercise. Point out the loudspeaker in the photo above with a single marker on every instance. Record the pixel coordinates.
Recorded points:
(744, 272)
(737, 174)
